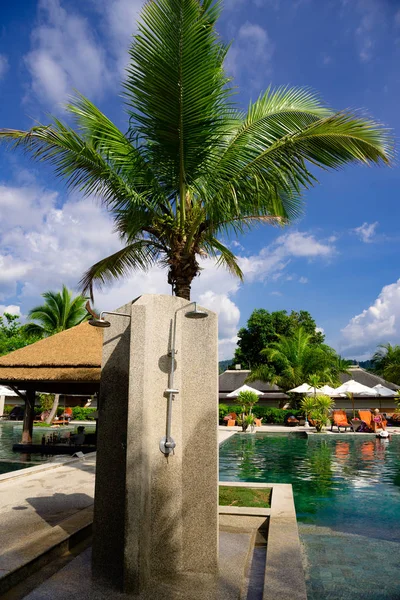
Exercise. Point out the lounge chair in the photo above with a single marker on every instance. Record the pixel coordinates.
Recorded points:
(231, 419)
(17, 414)
(367, 417)
(340, 420)
(257, 422)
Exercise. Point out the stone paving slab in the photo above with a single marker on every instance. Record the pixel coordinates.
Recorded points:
(75, 582)
(35, 506)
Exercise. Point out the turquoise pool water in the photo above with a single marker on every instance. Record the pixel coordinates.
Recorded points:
(10, 433)
(347, 496)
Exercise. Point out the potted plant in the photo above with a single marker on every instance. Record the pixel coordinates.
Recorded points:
(318, 409)
(247, 400)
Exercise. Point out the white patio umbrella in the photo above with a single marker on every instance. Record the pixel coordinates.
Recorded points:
(328, 390)
(305, 388)
(354, 388)
(243, 388)
(5, 391)
(381, 390)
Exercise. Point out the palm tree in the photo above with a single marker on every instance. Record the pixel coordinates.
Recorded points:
(295, 361)
(59, 312)
(192, 168)
(386, 362)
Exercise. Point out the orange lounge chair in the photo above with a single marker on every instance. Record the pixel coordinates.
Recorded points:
(340, 420)
(367, 417)
(230, 423)
(257, 422)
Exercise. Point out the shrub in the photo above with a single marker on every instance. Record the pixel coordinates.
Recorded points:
(80, 413)
(223, 411)
(45, 401)
(279, 416)
(8, 408)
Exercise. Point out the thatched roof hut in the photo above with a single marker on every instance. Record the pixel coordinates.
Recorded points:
(65, 363)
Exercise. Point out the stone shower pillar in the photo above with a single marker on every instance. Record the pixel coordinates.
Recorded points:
(156, 517)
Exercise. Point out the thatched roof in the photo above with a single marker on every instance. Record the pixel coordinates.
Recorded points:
(72, 356)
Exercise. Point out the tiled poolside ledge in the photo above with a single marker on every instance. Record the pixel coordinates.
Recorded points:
(284, 575)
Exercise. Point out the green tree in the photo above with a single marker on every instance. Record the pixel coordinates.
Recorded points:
(264, 327)
(192, 167)
(293, 360)
(13, 335)
(60, 311)
(386, 362)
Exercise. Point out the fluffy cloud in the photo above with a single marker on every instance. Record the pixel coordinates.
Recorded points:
(251, 51)
(3, 65)
(366, 231)
(46, 243)
(119, 19)
(380, 323)
(64, 55)
(12, 309)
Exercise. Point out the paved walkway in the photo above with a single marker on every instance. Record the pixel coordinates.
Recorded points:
(36, 503)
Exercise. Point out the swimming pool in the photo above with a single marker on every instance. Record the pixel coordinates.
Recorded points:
(347, 497)
(11, 433)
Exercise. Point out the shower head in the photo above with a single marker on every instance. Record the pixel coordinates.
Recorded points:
(196, 313)
(99, 323)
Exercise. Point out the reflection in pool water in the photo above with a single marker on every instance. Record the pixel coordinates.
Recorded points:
(347, 496)
(10, 433)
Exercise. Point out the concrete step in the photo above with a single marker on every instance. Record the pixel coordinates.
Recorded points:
(26, 557)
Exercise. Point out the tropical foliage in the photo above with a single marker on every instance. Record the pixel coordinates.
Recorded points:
(192, 168)
(318, 410)
(264, 327)
(59, 312)
(247, 399)
(386, 362)
(293, 360)
(13, 335)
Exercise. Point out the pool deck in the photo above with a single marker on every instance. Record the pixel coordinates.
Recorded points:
(41, 507)
(225, 432)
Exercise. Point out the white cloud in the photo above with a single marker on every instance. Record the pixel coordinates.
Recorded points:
(298, 243)
(303, 280)
(372, 27)
(12, 309)
(120, 23)
(3, 65)
(64, 55)
(366, 231)
(380, 323)
(320, 330)
(251, 52)
(45, 245)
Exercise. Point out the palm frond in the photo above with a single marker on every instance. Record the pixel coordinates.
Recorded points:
(79, 163)
(176, 89)
(138, 255)
(224, 256)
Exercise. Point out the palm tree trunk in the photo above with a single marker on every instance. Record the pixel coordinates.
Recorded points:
(53, 411)
(29, 415)
(182, 289)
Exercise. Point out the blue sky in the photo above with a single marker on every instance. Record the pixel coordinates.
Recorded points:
(339, 261)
